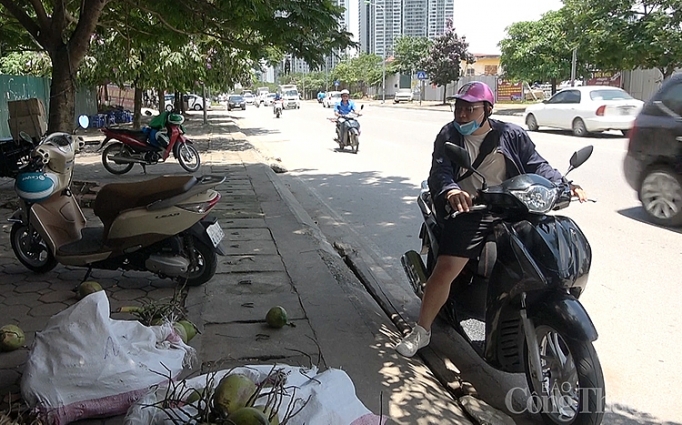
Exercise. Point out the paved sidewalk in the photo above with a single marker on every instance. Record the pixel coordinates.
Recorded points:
(276, 256)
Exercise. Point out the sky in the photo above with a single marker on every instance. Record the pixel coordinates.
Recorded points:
(483, 25)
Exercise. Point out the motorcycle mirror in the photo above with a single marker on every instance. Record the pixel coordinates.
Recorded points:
(579, 157)
(25, 137)
(458, 155)
(83, 121)
(362, 107)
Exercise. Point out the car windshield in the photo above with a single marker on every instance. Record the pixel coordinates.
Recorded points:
(235, 98)
(336, 95)
(291, 93)
(272, 95)
(609, 95)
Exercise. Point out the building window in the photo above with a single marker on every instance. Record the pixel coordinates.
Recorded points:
(490, 70)
(471, 72)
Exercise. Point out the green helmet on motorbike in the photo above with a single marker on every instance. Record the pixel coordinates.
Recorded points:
(176, 119)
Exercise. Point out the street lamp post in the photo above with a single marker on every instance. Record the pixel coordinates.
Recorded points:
(383, 51)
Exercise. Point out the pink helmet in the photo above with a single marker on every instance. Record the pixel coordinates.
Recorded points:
(476, 91)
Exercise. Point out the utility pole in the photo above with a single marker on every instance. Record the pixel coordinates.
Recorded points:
(574, 65)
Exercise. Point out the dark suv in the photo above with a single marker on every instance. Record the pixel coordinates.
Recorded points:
(653, 164)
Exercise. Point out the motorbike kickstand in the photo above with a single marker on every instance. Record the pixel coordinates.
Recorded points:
(85, 278)
(144, 168)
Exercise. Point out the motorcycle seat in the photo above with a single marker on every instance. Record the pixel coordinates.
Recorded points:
(115, 198)
(136, 134)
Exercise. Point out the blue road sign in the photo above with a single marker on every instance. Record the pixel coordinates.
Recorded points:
(337, 83)
(421, 75)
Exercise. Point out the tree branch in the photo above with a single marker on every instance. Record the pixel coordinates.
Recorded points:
(29, 24)
(90, 12)
(43, 20)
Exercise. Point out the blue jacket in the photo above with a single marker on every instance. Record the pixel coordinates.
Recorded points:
(514, 143)
(345, 109)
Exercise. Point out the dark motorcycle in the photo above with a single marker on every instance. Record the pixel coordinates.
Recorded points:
(130, 147)
(517, 304)
(15, 154)
(348, 131)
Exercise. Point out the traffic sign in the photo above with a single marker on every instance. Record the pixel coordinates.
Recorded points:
(421, 75)
(337, 83)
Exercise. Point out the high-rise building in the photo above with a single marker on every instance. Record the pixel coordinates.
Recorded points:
(381, 22)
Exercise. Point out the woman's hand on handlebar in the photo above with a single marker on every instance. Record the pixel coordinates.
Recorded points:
(459, 200)
(578, 192)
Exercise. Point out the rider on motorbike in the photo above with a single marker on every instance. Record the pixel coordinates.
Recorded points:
(506, 150)
(341, 109)
(278, 99)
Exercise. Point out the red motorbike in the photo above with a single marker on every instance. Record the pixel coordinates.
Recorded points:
(124, 148)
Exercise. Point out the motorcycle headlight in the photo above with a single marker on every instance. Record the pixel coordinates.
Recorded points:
(538, 199)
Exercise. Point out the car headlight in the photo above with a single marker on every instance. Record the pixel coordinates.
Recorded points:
(538, 199)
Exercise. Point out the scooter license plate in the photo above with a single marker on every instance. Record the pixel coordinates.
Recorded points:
(215, 232)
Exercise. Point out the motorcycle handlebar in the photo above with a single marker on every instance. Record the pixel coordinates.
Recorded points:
(472, 209)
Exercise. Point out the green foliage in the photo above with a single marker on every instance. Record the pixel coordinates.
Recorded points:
(409, 54)
(365, 70)
(26, 63)
(443, 62)
(539, 50)
(627, 34)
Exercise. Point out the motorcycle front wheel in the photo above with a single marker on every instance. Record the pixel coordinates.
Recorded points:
(205, 266)
(110, 163)
(31, 250)
(571, 389)
(188, 157)
(354, 142)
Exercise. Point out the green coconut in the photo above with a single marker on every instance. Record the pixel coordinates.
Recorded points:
(276, 317)
(180, 330)
(11, 338)
(190, 329)
(193, 396)
(87, 288)
(233, 393)
(248, 416)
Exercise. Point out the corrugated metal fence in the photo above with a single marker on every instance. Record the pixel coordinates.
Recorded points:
(16, 87)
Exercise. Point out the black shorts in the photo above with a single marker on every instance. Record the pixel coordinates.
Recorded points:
(465, 235)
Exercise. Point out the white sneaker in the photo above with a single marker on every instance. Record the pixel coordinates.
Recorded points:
(415, 340)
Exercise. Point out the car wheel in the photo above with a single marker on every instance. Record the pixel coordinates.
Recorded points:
(661, 196)
(229, 109)
(532, 123)
(579, 129)
(197, 107)
(169, 108)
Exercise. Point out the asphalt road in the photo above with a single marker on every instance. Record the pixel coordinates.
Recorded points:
(368, 200)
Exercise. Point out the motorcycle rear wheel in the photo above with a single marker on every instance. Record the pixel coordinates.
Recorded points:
(116, 148)
(187, 152)
(207, 263)
(572, 389)
(31, 250)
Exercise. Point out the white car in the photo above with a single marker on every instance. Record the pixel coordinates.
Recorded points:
(249, 98)
(291, 100)
(584, 110)
(268, 99)
(192, 102)
(331, 99)
(403, 95)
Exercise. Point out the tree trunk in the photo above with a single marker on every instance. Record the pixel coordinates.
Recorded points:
(137, 113)
(553, 83)
(162, 100)
(445, 94)
(62, 92)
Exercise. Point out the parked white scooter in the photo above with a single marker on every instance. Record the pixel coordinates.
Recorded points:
(160, 225)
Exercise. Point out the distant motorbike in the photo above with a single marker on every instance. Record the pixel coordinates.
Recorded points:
(517, 304)
(160, 225)
(148, 146)
(277, 108)
(348, 131)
